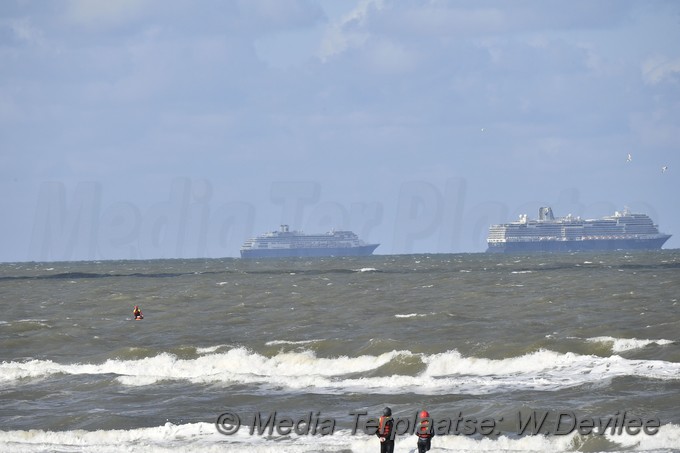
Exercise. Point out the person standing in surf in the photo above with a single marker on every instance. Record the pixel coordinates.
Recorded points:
(137, 313)
(424, 432)
(385, 431)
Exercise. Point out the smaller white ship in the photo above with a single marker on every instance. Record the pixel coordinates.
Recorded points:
(285, 243)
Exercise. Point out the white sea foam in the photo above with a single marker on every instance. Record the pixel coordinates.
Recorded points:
(626, 344)
(667, 437)
(289, 342)
(188, 437)
(210, 349)
(411, 315)
(235, 365)
(204, 437)
(31, 320)
(445, 372)
(366, 269)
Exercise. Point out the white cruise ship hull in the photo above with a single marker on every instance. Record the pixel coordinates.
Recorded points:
(578, 245)
(364, 250)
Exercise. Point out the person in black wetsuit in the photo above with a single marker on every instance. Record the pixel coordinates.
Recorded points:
(385, 431)
(424, 432)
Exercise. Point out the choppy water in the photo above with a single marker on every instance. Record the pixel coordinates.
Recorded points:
(475, 335)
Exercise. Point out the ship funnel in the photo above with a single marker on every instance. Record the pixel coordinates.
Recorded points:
(545, 213)
(284, 228)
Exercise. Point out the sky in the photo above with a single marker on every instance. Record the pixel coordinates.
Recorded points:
(143, 129)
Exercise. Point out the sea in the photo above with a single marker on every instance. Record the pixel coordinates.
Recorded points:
(507, 353)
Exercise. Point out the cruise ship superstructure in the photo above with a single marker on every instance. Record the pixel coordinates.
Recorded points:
(286, 243)
(621, 231)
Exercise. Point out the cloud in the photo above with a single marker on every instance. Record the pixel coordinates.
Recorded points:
(105, 14)
(24, 31)
(660, 69)
(444, 18)
(349, 31)
(277, 15)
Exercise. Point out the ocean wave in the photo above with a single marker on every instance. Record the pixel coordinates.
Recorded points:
(447, 372)
(94, 275)
(235, 365)
(210, 349)
(313, 272)
(21, 325)
(668, 437)
(204, 437)
(627, 344)
(290, 342)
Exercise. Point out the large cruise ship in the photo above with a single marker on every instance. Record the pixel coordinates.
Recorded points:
(621, 231)
(285, 243)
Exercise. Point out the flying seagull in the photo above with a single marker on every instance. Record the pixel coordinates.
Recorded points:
(630, 158)
(664, 168)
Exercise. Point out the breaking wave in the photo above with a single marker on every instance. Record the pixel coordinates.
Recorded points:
(305, 371)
